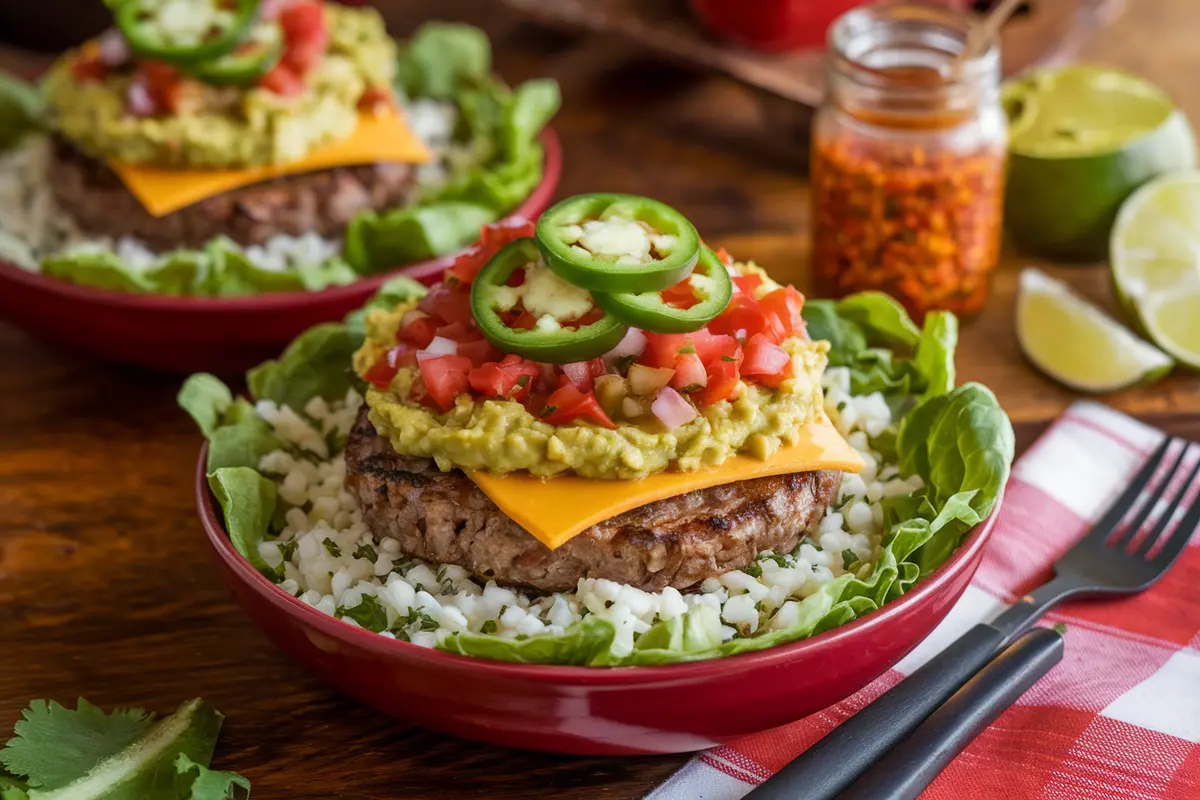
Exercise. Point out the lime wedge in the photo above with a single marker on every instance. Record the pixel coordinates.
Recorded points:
(1076, 343)
(146, 767)
(1155, 257)
(1081, 140)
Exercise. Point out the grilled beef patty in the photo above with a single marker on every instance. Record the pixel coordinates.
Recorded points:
(92, 194)
(445, 518)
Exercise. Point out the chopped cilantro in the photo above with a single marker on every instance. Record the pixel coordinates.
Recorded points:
(288, 549)
(448, 587)
(368, 613)
(367, 552)
(753, 569)
(848, 559)
(502, 610)
(523, 381)
(57, 751)
(728, 358)
(691, 387)
(687, 350)
(548, 410)
(1060, 628)
(400, 634)
(624, 363)
(210, 784)
(781, 560)
(489, 626)
(55, 745)
(423, 621)
(332, 548)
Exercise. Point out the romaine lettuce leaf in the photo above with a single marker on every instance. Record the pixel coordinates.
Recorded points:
(100, 269)
(206, 399)
(21, 107)
(316, 363)
(441, 57)
(247, 500)
(378, 242)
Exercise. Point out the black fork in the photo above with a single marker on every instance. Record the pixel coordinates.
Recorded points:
(1128, 549)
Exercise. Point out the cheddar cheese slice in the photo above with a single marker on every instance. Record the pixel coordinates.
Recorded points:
(555, 510)
(379, 137)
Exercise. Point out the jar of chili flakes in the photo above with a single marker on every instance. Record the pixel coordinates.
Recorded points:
(908, 160)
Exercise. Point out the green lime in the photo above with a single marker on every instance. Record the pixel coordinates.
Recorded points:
(1081, 140)
(1155, 257)
(1076, 343)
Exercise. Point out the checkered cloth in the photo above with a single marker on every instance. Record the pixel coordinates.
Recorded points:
(1118, 718)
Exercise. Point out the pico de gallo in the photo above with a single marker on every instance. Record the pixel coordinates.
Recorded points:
(503, 326)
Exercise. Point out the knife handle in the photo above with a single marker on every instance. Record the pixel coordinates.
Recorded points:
(850, 749)
(905, 772)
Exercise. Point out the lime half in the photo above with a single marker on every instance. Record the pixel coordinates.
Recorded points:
(1081, 140)
(1155, 257)
(1076, 343)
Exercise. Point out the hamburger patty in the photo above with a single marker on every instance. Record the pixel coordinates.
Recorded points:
(93, 195)
(445, 518)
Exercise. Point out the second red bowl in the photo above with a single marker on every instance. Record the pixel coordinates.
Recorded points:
(199, 334)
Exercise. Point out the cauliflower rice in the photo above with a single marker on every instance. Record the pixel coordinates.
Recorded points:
(33, 227)
(329, 560)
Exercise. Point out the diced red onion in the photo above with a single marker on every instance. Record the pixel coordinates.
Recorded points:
(672, 409)
(633, 343)
(440, 346)
(579, 373)
(138, 100)
(113, 49)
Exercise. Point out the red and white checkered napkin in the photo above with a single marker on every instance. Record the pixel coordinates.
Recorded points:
(1118, 718)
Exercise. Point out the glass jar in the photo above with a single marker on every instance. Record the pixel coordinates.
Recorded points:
(908, 160)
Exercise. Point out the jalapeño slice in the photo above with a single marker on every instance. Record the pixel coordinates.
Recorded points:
(710, 285)
(185, 32)
(249, 61)
(557, 345)
(618, 243)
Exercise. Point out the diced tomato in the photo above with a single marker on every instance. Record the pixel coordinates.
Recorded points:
(690, 375)
(479, 352)
(681, 295)
(458, 332)
(448, 303)
(578, 374)
(282, 81)
(747, 283)
(498, 234)
(417, 327)
(305, 34)
(766, 362)
(567, 403)
(595, 315)
(375, 98)
(745, 314)
(723, 256)
(512, 378)
(382, 371)
(711, 346)
(515, 278)
(445, 378)
(88, 68)
(665, 349)
(467, 265)
(520, 320)
(785, 304)
(271, 9)
(723, 379)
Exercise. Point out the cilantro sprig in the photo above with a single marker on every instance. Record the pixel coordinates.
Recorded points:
(57, 751)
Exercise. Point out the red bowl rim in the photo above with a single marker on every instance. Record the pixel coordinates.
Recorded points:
(537, 201)
(383, 647)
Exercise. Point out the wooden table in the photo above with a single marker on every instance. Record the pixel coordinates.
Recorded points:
(106, 589)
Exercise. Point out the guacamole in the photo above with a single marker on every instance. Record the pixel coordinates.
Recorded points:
(232, 127)
(502, 436)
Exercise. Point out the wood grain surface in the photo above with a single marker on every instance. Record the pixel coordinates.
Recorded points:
(1046, 31)
(106, 590)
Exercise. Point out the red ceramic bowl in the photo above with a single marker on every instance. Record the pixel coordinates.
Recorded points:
(190, 334)
(593, 710)
(777, 25)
